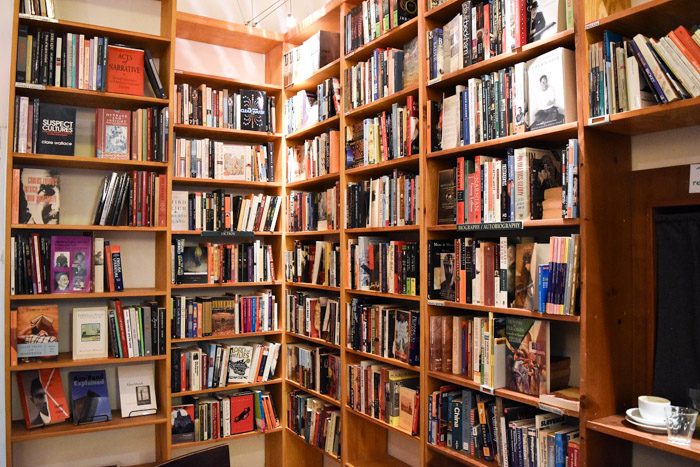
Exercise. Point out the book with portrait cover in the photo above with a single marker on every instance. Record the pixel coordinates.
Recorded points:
(545, 173)
(36, 197)
(551, 89)
(527, 355)
(112, 134)
(137, 390)
(56, 129)
(42, 397)
(182, 423)
(71, 263)
(37, 332)
(242, 415)
(125, 70)
(89, 398)
(239, 363)
(253, 110)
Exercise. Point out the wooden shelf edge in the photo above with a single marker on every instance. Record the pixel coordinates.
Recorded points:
(387, 360)
(229, 387)
(65, 360)
(387, 37)
(314, 340)
(381, 423)
(313, 392)
(311, 182)
(241, 335)
(459, 456)
(395, 296)
(306, 285)
(315, 448)
(314, 128)
(381, 103)
(504, 311)
(383, 166)
(247, 434)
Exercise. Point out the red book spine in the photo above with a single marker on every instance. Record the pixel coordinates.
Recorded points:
(691, 49)
(144, 199)
(134, 197)
(110, 269)
(460, 190)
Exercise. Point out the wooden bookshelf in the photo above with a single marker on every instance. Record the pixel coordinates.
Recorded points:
(461, 457)
(247, 136)
(312, 233)
(314, 340)
(87, 98)
(195, 79)
(215, 183)
(329, 71)
(661, 117)
(315, 182)
(126, 293)
(314, 393)
(306, 285)
(228, 387)
(87, 228)
(383, 103)
(395, 37)
(504, 311)
(313, 130)
(215, 337)
(294, 435)
(223, 285)
(379, 358)
(202, 444)
(403, 163)
(395, 296)
(65, 360)
(85, 162)
(380, 423)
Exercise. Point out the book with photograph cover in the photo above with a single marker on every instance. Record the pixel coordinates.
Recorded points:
(71, 263)
(551, 89)
(56, 129)
(253, 110)
(223, 320)
(547, 17)
(90, 332)
(195, 262)
(112, 134)
(524, 293)
(37, 332)
(239, 363)
(242, 414)
(182, 423)
(137, 390)
(89, 397)
(442, 268)
(545, 173)
(42, 397)
(36, 196)
(125, 70)
(527, 355)
(402, 335)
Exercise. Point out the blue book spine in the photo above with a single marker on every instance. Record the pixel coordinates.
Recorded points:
(543, 286)
(465, 117)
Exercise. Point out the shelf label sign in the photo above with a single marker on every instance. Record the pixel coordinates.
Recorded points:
(694, 186)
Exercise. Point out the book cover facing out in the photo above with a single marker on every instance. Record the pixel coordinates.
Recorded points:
(112, 132)
(39, 197)
(37, 331)
(527, 355)
(89, 397)
(253, 110)
(242, 416)
(56, 130)
(125, 70)
(182, 423)
(137, 390)
(42, 397)
(71, 264)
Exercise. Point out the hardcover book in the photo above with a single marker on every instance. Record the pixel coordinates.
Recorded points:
(112, 133)
(56, 130)
(551, 89)
(125, 70)
(42, 397)
(90, 333)
(402, 335)
(242, 416)
(239, 363)
(253, 110)
(180, 211)
(89, 397)
(446, 196)
(71, 265)
(195, 262)
(37, 332)
(37, 197)
(527, 355)
(442, 269)
(182, 423)
(524, 294)
(234, 161)
(545, 173)
(137, 390)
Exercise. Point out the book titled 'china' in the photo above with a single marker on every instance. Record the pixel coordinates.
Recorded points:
(42, 397)
(125, 70)
(89, 397)
(56, 130)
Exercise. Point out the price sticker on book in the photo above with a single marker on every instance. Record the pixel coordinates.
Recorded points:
(694, 186)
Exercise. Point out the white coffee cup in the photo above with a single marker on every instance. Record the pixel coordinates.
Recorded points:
(653, 408)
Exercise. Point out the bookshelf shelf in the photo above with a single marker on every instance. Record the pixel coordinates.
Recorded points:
(126, 293)
(223, 286)
(329, 71)
(314, 340)
(395, 296)
(379, 358)
(381, 104)
(85, 162)
(653, 17)
(315, 448)
(240, 335)
(323, 180)
(527, 224)
(526, 52)
(229, 387)
(463, 458)
(86, 98)
(395, 37)
(65, 360)
(306, 285)
(380, 460)
(133, 38)
(505, 311)
(87, 228)
(313, 233)
(408, 162)
(194, 78)
(378, 230)
(313, 130)
(555, 133)
(225, 133)
(678, 114)
(194, 444)
(382, 424)
(616, 426)
(211, 182)
(444, 12)
(314, 393)
(20, 433)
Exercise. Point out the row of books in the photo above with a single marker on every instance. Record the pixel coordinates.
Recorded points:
(49, 57)
(507, 272)
(389, 135)
(390, 200)
(38, 8)
(315, 421)
(629, 74)
(314, 210)
(205, 418)
(524, 97)
(220, 160)
(386, 393)
(215, 365)
(381, 265)
(224, 315)
(134, 331)
(89, 395)
(137, 199)
(311, 315)
(246, 109)
(306, 108)
(528, 183)
(314, 53)
(316, 157)
(483, 30)
(314, 262)
(217, 211)
(384, 329)
(493, 429)
(380, 76)
(315, 368)
(373, 18)
(209, 263)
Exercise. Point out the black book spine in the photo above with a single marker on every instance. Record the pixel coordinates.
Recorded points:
(152, 74)
(35, 58)
(175, 370)
(52, 58)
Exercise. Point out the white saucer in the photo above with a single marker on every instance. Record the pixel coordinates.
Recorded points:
(649, 428)
(634, 414)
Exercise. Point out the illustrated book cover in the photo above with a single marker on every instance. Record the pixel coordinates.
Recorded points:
(89, 396)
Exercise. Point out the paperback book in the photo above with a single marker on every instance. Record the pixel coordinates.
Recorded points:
(137, 390)
(89, 397)
(42, 397)
(55, 129)
(71, 263)
(36, 197)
